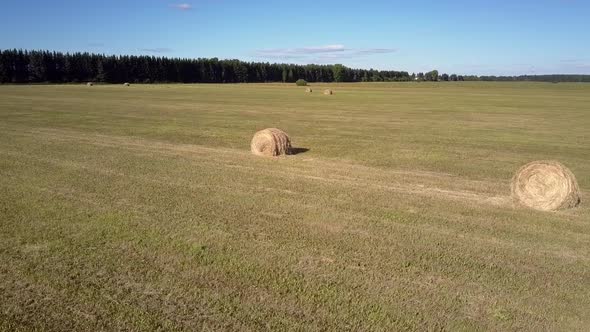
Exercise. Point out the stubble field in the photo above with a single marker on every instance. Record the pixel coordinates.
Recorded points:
(141, 208)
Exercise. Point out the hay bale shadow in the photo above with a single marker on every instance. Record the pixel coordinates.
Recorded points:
(295, 151)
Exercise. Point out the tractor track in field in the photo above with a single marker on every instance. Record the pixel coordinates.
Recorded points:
(425, 183)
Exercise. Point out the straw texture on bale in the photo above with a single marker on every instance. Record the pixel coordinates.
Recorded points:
(545, 185)
(309, 90)
(271, 142)
(328, 92)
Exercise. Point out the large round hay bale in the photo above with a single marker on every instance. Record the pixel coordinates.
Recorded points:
(270, 142)
(328, 92)
(545, 185)
(308, 90)
(89, 84)
(126, 84)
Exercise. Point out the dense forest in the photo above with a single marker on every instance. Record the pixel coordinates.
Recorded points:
(18, 66)
(21, 66)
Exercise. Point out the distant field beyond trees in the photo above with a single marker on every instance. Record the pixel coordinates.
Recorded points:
(21, 66)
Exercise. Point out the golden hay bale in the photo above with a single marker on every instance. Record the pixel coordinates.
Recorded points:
(270, 142)
(328, 92)
(545, 185)
(309, 90)
(89, 84)
(126, 84)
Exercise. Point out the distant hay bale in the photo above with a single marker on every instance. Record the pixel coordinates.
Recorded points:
(308, 90)
(270, 142)
(89, 84)
(126, 84)
(545, 185)
(328, 92)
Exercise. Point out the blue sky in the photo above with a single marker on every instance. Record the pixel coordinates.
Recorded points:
(458, 36)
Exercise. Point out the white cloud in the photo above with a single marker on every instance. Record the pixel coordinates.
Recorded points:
(183, 6)
(157, 50)
(322, 54)
(301, 51)
(369, 51)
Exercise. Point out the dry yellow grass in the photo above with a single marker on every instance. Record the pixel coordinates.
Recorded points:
(143, 209)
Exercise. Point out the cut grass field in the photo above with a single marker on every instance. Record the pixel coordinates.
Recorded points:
(141, 208)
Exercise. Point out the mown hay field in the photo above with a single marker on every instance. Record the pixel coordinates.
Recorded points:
(142, 208)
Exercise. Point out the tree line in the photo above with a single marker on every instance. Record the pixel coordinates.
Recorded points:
(534, 78)
(434, 76)
(23, 66)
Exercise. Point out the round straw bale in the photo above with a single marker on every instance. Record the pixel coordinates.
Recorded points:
(270, 142)
(89, 84)
(545, 185)
(328, 92)
(126, 84)
(308, 90)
